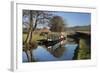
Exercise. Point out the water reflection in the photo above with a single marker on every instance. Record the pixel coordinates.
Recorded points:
(42, 53)
(59, 51)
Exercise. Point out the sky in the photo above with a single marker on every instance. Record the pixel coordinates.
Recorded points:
(71, 19)
(75, 18)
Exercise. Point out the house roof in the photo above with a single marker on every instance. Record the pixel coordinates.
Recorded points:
(45, 30)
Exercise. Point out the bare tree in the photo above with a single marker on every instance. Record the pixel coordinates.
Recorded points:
(35, 18)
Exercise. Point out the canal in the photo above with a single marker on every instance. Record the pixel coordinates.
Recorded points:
(42, 53)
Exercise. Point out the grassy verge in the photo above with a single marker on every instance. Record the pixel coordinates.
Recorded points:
(34, 38)
(84, 50)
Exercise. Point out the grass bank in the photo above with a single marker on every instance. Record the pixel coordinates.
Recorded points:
(83, 50)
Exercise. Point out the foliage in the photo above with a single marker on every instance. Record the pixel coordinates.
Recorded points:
(57, 24)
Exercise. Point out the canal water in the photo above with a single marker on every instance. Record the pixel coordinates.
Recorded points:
(43, 54)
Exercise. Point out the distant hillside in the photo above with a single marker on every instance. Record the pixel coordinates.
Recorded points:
(79, 28)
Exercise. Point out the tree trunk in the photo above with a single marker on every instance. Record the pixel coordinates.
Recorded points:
(30, 28)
